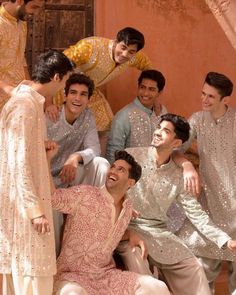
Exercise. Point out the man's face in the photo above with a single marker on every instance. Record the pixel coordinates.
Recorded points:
(148, 93)
(77, 99)
(123, 53)
(164, 136)
(118, 176)
(212, 101)
(31, 8)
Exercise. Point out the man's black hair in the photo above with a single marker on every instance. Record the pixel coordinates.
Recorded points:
(135, 171)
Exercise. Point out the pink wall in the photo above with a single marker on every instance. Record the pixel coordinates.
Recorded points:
(183, 40)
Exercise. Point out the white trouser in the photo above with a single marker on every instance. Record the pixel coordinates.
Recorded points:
(94, 173)
(212, 269)
(185, 277)
(27, 285)
(147, 285)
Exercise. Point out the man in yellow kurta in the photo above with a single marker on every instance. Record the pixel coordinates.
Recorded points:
(13, 31)
(27, 247)
(102, 60)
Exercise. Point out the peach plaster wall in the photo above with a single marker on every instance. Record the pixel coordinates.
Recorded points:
(183, 40)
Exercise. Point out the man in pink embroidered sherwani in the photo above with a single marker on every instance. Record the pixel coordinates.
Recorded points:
(27, 255)
(97, 220)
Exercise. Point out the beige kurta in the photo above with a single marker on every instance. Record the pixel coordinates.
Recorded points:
(12, 49)
(25, 187)
(217, 153)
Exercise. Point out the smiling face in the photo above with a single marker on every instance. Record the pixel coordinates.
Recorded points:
(164, 137)
(212, 100)
(118, 177)
(123, 53)
(148, 92)
(76, 101)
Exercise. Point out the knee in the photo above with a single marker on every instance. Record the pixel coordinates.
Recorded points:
(150, 285)
(101, 162)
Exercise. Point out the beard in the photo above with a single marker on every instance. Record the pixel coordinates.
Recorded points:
(21, 13)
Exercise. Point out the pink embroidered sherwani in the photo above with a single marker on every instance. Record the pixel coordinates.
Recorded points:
(25, 187)
(12, 51)
(90, 237)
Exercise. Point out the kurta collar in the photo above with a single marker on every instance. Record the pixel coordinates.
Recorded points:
(222, 118)
(163, 167)
(109, 196)
(6, 14)
(77, 121)
(142, 107)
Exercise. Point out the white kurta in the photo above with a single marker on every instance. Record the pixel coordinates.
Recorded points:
(25, 187)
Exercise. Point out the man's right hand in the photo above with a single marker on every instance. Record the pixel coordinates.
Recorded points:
(52, 112)
(41, 224)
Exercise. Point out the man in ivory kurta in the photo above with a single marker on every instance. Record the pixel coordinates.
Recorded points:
(13, 31)
(102, 60)
(161, 184)
(97, 219)
(27, 256)
(214, 128)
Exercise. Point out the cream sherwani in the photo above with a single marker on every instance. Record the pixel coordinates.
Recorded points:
(12, 51)
(25, 187)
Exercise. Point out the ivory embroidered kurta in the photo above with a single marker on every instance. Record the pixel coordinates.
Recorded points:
(25, 187)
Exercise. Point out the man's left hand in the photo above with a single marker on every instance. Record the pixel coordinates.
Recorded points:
(136, 241)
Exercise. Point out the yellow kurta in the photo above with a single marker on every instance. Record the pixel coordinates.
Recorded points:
(93, 56)
(25, 187)
(12, 48)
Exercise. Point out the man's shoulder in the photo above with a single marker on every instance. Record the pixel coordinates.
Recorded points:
(138, 152)
(123, 111)
(94, 40)
(86, 189)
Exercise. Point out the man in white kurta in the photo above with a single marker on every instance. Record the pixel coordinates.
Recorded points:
(214, 128)
(26, 228)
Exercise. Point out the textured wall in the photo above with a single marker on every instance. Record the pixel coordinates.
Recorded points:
(184, 41)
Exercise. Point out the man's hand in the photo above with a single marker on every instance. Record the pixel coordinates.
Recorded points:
(136, 241)
(51, 149)
(7, 88)
(135, 214)
(191, 178)
(52, 112)
(231, 245)
(41, 224)
(68, 172)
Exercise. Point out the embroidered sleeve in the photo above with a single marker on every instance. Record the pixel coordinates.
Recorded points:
(80, 53)
(141, 62)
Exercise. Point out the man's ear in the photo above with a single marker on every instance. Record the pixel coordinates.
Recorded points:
(226, 100)
(176, 143)
(131, 182)
(56, 78)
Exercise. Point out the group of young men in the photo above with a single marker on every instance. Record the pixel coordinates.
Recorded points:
(54, 182)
